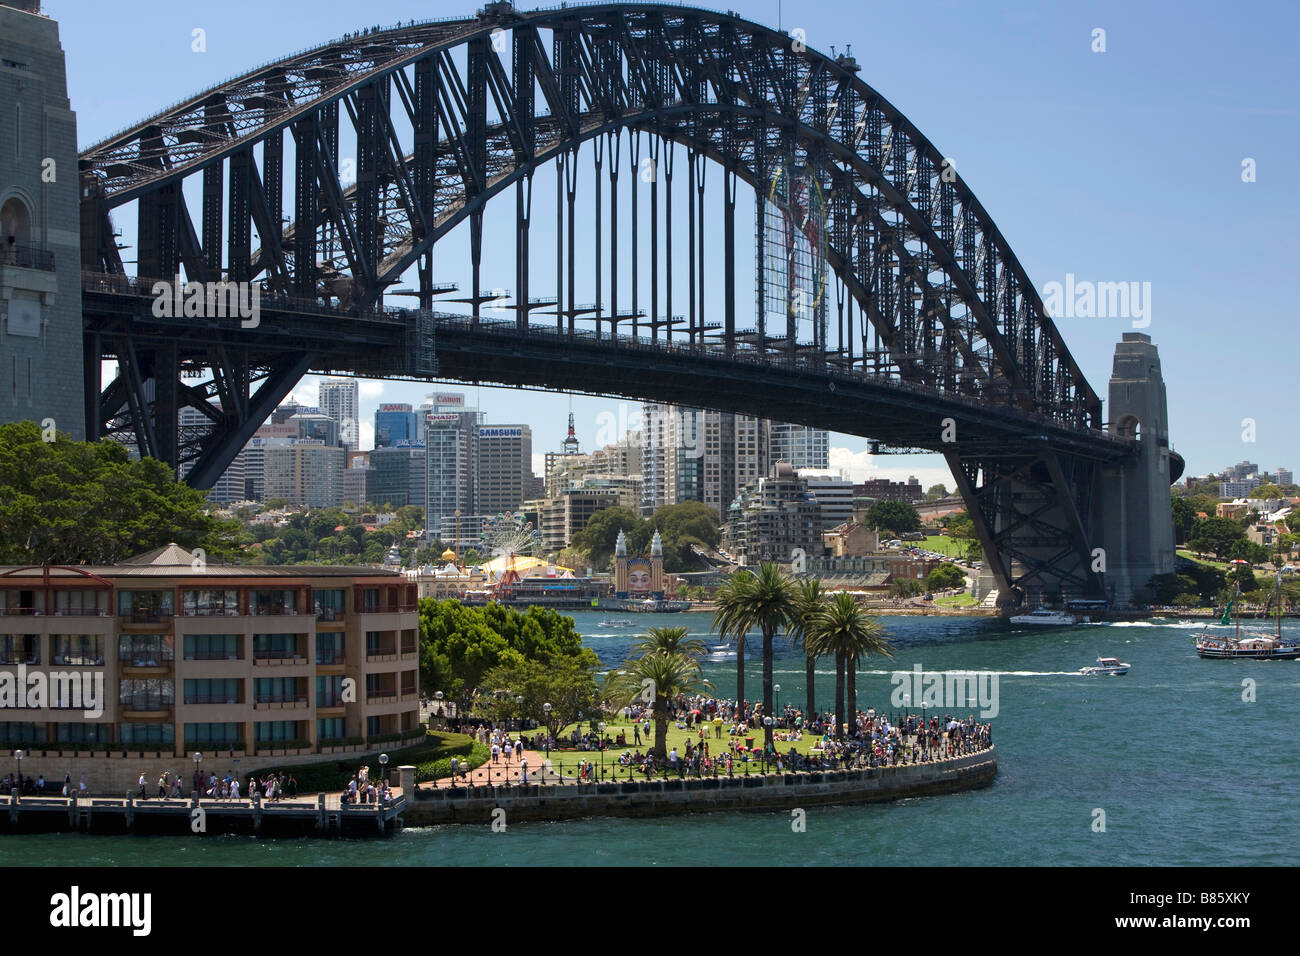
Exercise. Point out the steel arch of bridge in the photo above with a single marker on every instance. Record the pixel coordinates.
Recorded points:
(945, 309)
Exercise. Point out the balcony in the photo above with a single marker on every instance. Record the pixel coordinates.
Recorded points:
(224, 699)
(17, 611)
(212, 656)
(273, 658)
(26, 257)
(146, 617)
(279, 702)
(329, 615)
(325, 658)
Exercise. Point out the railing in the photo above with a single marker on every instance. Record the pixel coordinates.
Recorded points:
(145, 704)
(20, 658)
(210, 612)
(25, 257)
(277, 655)
(77, 660)
(329, 614)
(212, 656)
(21, 610)
(212, 699)
(331, 657)
(272, 611)
(280, 699)
(146, 660)
(146, 617)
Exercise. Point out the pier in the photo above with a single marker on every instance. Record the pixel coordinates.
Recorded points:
(318, 815)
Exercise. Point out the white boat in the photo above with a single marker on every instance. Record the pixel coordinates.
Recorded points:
(1048, 616)
(1106, 665)
(617, 622)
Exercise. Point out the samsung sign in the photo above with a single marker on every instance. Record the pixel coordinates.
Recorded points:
(500, 433)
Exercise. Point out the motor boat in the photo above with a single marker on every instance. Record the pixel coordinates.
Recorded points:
(1106, 665)
(1046, 616)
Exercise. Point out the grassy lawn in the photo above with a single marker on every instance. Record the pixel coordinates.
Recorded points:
(676, 738)
(1221, 565)
(956, 600)
(427, 756)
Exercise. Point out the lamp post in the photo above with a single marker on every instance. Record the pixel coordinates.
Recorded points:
(767, 722)
(519, 706)
(383, 764)
(546, 709)
(776, 690)
(198, 787)
(18, 755)
(601, 728)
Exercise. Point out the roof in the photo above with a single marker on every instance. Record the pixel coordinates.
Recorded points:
(171, 560)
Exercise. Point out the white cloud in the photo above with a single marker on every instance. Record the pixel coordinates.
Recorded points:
(367, 430)
(539, 464)
(370, 390)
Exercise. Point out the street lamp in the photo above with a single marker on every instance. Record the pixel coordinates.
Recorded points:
(198, 784)
(546, 709)
(18, 755)
(767, 744)
(383, 764)
(519, 705)
(776, 689)
(601, 727)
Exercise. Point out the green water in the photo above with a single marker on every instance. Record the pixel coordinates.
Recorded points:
(1186, 772)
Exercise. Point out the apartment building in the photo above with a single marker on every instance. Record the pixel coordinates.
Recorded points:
(189, 656)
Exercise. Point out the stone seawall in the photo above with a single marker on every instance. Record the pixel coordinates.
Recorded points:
(773, 791)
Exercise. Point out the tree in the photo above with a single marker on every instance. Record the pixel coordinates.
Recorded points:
(809, 601)
(601, 532)
(658, 677)
(731, 622)
(67, 502)
(935, 492)
(1216, 536)
(765, 601)
(567, 684)
(945, 576)
(844, 629)
(905, 588)
(897, 517)
(1268, 491)
(1184, 515)
(669, 640)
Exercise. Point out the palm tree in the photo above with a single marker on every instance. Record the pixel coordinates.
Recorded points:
(656, 678)
(732, 623)
(809, 601)
(846, 630)
(764, 601)
(670, 640)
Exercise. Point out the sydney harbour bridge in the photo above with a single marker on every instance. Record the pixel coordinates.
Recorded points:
(927, 333)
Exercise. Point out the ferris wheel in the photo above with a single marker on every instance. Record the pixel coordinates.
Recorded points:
(510, 532)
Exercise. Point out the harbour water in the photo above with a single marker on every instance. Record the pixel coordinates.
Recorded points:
(1186, 772)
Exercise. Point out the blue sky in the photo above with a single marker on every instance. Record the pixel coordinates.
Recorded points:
(1117, 166)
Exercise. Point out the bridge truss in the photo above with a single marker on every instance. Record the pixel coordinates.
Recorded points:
(932, 335)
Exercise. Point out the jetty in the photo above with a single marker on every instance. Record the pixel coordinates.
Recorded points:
(318, 815)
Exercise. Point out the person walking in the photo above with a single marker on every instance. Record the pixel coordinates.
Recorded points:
(143, 794)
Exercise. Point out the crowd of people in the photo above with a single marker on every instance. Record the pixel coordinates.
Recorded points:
(362, 789)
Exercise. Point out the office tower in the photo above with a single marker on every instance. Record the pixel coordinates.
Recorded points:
(338, 400)
(396, 422)
(503, 465)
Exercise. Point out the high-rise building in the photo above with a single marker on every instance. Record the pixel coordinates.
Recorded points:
(354, 478)
(389, 481)
(449, 446)
(315, 425)
(699, 455)
(396, 422)
(338, 400)
(307, 474)
(1284, 477)
(40, 228)
(882, 489)
(801, 445)
(503, 463)
(254, 456)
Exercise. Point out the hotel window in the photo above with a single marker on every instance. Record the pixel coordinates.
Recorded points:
(329, 649)
(211, 647)
(20, 649)
(83, 650)
(201, 734)
(372, 642)
(145, 650)
(83, 733)
(329, 690)
(22, 732)
(212, 690)
(374, 726)
(272, 602)
(138, 735)
(275, 690)
(330, 728)
(328, 604)
(80, 602)
(145, 606)
(207, 603)
(146, 694)
(369, 600)
(275, 646)
(269, 731)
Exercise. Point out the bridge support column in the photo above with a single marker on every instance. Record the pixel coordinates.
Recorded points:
(1132, 520)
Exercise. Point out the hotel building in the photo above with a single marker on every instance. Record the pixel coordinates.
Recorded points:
(203, 657)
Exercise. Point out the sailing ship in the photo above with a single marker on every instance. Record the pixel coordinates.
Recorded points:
(1252, 644)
